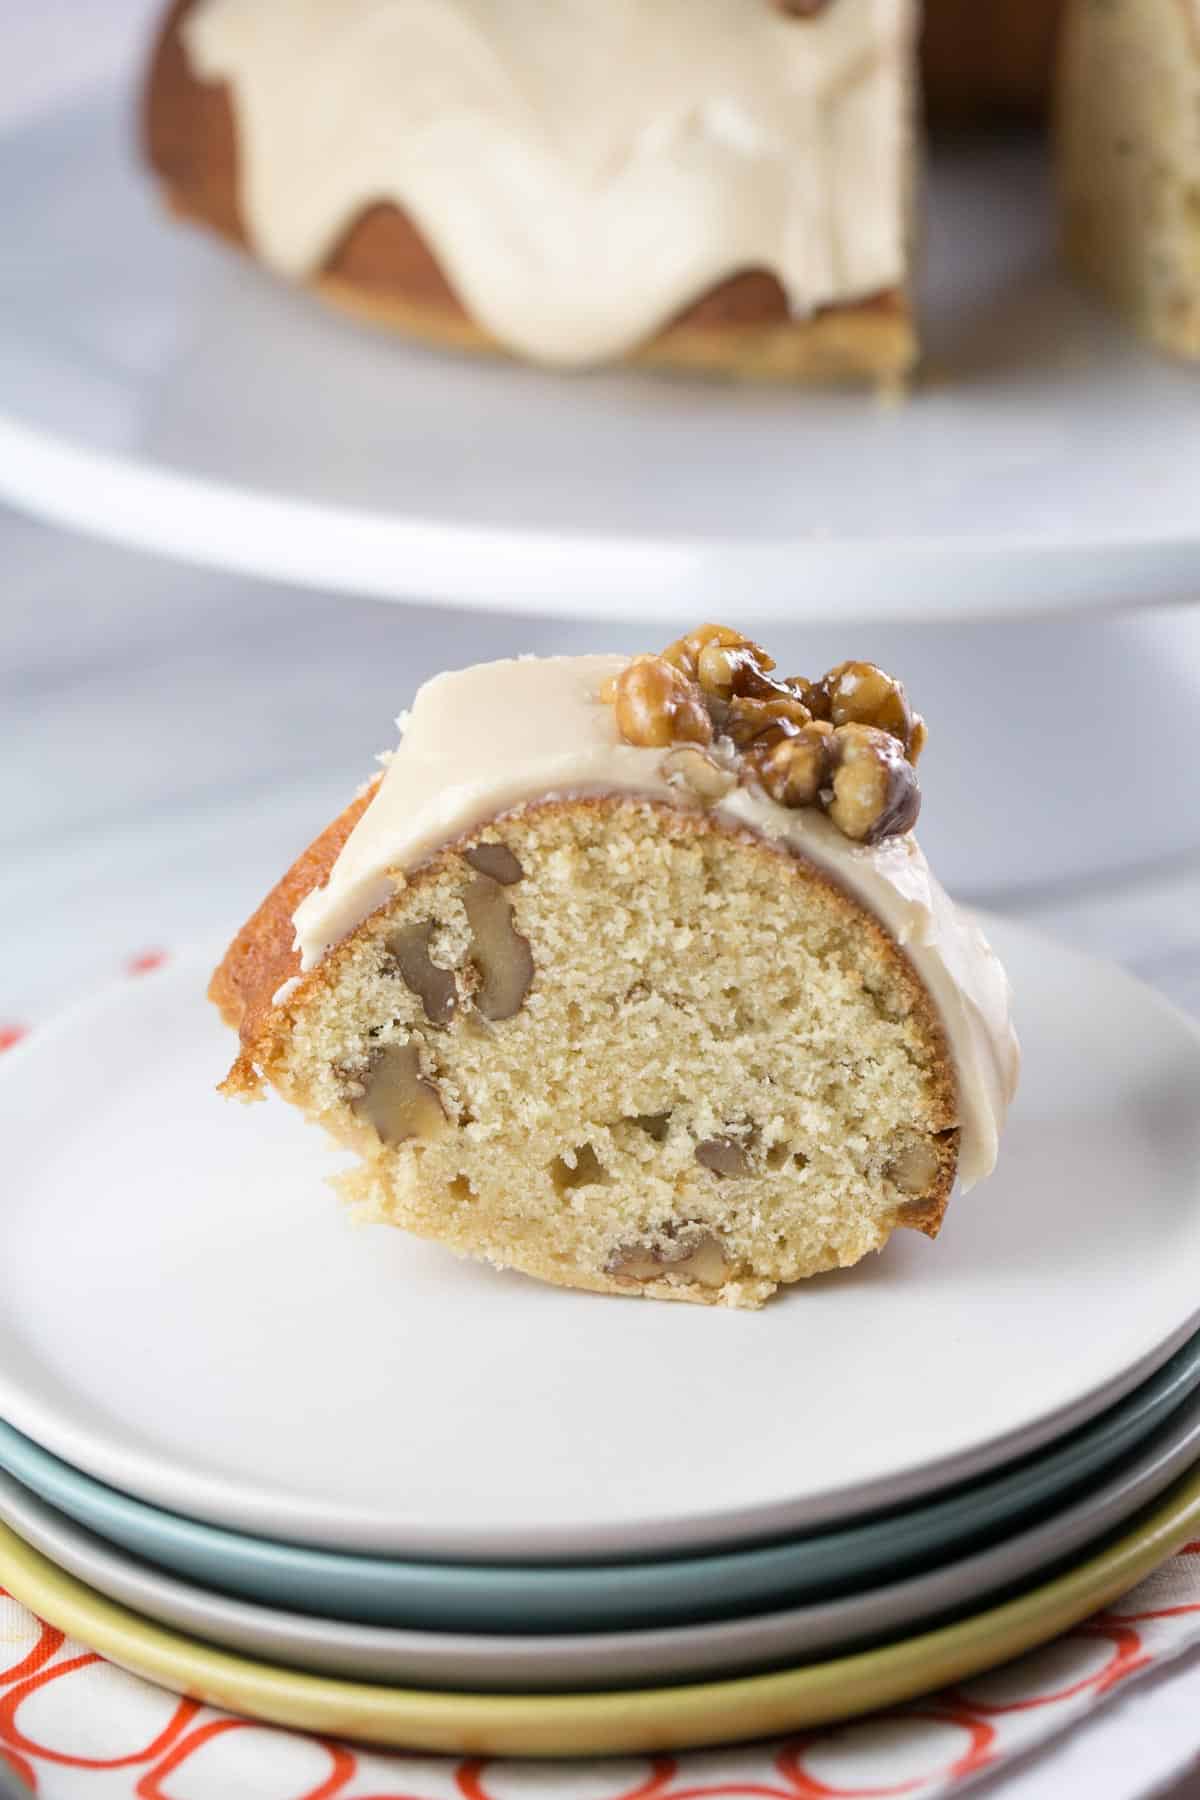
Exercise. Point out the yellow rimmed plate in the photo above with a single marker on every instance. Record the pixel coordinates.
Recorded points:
(612, 1723)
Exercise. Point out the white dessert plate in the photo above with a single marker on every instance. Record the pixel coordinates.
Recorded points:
(588, 1661)
(541, 1598)
(187, 1313)
(194, 406)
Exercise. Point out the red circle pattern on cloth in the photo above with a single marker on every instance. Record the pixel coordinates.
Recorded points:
(74, 1727)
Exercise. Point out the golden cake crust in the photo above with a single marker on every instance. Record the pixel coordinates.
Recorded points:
(263, 955)
(383, 270)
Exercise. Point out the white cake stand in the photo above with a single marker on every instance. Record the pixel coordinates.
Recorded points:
(162, 392)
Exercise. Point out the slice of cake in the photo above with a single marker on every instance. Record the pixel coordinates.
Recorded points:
(709, 184)
(1129, 127)
(629, 973)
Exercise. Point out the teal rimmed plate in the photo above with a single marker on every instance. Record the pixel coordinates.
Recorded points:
(595, 1597)
(657, 1719)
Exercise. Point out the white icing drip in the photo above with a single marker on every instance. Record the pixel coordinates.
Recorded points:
(482, 741)
(582, 171)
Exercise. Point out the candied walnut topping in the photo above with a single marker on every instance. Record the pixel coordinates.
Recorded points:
(858, 693)
(685, 653)
(847, 743)
(795, 769)
(693, 769)
(656, 705)
(875, 792)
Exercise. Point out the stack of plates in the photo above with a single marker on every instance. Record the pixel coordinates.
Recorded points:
(334, 1477)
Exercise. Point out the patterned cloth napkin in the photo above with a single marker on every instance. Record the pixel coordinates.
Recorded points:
(76, 1728)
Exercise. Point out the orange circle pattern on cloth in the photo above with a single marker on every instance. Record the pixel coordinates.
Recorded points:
(74, 1727)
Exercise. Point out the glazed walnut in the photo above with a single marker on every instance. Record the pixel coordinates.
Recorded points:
(685, 653)
(848, 743)
(875, 793)
(796, 769)
(753, 721)
(696, 771)
(657, 705)
(859, 693)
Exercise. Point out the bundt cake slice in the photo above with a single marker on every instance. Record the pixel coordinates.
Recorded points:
(628, 973)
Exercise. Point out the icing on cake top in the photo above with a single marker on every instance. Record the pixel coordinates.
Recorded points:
(482, 741)
(582, 171)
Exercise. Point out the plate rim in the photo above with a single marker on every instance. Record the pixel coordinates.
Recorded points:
(258, 1511)
(51, 1481)
(1017, 1559)
(629, 1721)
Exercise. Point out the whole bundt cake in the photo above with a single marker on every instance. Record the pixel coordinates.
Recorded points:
(723, 185)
